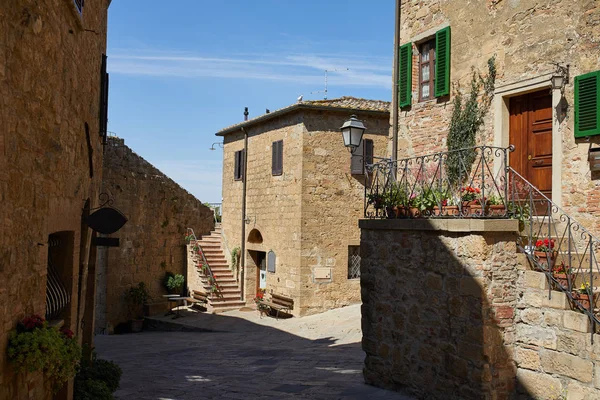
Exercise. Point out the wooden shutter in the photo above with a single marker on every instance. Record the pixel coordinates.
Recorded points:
(277, 158)
(587, 104)
(103, 111)
(405, 83)
(442, 62)
(357, 159)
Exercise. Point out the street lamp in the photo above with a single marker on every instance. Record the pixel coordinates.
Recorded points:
(560, 77)
(212, 147)
(352, 133)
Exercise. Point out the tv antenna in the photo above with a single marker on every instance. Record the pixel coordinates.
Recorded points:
(326, 75)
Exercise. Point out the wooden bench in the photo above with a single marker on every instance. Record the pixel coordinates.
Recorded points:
(279, 303)
(199, 298)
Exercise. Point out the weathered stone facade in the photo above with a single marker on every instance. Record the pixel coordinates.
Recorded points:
(308, 215)
(438, 305)
(152, 242)
(451, 310)
(49, 90)
(527, 38)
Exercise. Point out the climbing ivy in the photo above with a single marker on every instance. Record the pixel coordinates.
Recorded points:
(467, 119)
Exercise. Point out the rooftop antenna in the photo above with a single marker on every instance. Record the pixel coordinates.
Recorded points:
(326, 75)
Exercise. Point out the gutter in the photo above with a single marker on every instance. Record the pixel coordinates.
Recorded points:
(243, 246)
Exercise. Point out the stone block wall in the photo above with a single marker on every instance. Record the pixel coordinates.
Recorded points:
(332, 204)
(152, 241)
(438, 305)
(49, 85)
(553, 344)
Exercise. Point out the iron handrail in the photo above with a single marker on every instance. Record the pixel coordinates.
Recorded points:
(211, 277)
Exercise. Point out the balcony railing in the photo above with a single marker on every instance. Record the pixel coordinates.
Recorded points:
(465, 183)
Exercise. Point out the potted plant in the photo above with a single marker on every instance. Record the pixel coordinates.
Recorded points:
(427, 202)
(413, 203)
(470, 198)
(584, 295)
(136, 297)
(375, 199)
(496, 206)
(544, 253)
(563, 275)
(173, 283)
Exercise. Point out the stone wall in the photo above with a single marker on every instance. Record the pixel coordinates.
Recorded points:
(49, 85)
(152, 242)
(438, 305)
(526, 38)
(332, 204)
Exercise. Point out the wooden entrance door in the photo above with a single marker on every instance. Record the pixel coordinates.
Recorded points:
(530, 128)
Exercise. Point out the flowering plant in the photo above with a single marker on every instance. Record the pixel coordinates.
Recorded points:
(34, 346)
(585, 288)
(469, 193)
(260, 295)
(545, 245)
(561, 269)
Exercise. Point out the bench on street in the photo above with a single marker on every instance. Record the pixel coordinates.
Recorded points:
(278, 303)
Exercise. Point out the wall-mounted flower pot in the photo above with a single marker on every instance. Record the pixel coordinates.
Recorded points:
(543, 259)
(450, 211)
(564, 279)
(583, 299)
(497, 210)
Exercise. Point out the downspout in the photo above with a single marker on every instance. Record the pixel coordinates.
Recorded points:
(243, 250)
(396, 78)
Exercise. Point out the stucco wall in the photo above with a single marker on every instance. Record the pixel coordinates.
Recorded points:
(152, 241)
(49, 85)
(527, 38)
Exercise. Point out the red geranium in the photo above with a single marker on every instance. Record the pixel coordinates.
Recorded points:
(33, 322)
(545, 245)
(68, 333)
(469, 193)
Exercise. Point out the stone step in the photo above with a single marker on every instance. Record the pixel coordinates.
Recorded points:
(229, 305)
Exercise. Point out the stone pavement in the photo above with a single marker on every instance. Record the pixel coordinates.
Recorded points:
(315, 357)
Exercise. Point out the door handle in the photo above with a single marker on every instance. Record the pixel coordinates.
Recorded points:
(539, 162)
(529, 157)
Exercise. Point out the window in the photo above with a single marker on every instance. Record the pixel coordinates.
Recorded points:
(426, 70)
(433, 69)
(362, 155)
(277, 159)
(238, 170)
(353, 262)
(587, 104)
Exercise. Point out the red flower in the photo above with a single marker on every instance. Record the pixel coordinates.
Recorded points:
(67, 332)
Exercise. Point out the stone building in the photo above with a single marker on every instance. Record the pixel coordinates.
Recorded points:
(152, 242)
(527, 40)
(53, 118)
(303, 199)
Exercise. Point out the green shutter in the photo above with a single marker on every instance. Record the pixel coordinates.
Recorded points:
(405, 82)
(587, 104)
(442, 62)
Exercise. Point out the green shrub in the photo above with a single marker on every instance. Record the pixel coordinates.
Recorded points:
(90, 389)
(175, 283)
(136, 297)
(97, 379)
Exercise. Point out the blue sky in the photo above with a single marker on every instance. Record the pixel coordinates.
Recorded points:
(181, 73)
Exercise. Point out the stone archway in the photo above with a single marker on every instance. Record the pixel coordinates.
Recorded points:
(255, 237)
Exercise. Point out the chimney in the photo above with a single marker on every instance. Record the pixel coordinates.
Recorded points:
(268, 111)
(246, 113)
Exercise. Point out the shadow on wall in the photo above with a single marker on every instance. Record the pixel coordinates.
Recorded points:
(438, 310)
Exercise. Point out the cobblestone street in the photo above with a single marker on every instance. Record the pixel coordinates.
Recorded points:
(315, 357)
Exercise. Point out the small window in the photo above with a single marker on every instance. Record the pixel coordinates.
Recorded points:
(353, 262)
(238, 171)
(427, 70)
(362, 155)
(271, 261)
(277, 159)
(104, 83)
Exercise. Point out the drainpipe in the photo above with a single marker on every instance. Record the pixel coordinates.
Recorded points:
(244, 178)
(396, 79)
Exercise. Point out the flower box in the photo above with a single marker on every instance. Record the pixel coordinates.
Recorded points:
(583, 299)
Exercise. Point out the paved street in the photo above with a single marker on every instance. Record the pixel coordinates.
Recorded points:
(316, 357)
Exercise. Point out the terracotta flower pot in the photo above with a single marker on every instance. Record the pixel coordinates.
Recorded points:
(496, 210)
(401, 211)
(450, 211)
(414, 212)
(563, 279)
(436, 211)
(583, 299)
(543, 259)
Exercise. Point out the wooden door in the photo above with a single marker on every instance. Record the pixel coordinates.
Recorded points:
(530, 128)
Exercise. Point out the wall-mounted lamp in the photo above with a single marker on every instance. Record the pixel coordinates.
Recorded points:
(594, 158)
(560, 77)
(212, 147)
(352, 133)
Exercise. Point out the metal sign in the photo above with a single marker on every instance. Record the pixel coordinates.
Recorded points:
(106, 220)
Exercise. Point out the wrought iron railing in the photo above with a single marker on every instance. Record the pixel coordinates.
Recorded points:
(216, 207)
(202, 264)
(556, 244)
(57, 296)
(461, 183)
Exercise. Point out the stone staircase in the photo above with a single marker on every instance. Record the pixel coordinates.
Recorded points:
(230, 293)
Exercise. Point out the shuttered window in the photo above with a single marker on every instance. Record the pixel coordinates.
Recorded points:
(103, 112)
(271, 261)
(587, 105)
(238, 170)
(426, 70)
(362, 155)
(442, 62)
(405, 67)
(277, 158)
(79, 5)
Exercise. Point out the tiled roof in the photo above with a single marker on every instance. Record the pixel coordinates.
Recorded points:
(345, 102)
